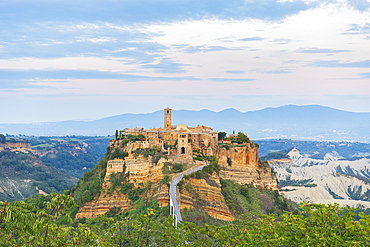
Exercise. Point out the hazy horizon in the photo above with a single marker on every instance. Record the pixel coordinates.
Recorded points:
(158, 110)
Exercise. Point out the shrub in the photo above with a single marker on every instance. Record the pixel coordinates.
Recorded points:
(118, 154)
(169, 168)
(274, 155)
(242, 138)
(198, 158)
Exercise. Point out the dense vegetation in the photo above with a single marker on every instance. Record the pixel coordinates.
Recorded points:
(24, 224)
(240, 200)
(153, 152)
(89, 186)
(248, 199)
(296, 182)
(2, 138)
(242, 138)
(74, 155)
(20, 173)
(274, 155)
(169, 168)
(206, 172)
(58, 164)
(73, 165)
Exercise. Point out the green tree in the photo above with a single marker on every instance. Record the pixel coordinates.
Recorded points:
(116, 134)
(2, 138)
(242, 138)
(221, 135)
(86, 196)
(23, 224)
(141, 137)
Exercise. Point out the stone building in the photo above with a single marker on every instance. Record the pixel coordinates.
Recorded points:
(177, 139)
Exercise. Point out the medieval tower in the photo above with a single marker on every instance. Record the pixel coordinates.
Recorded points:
(167, 118)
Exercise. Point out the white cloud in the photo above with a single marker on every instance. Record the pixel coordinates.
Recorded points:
(276, 54)
(96, 40)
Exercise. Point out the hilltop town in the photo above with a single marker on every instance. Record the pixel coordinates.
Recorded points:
(142, 162)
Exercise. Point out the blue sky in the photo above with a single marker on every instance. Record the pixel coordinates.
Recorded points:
(62, 60)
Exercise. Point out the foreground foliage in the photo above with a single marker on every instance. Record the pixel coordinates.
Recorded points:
(249, 199)
(23, 224)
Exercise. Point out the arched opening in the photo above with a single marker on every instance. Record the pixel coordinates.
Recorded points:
(182, 150)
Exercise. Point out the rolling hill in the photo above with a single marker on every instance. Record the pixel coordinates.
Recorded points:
(311, 122)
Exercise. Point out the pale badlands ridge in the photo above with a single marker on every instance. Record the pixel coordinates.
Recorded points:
(324, 174)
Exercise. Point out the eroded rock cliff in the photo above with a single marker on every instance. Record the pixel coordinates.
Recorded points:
(142, 172)
(241, 164)
(326, 180)
(206, 194)
(237, 162)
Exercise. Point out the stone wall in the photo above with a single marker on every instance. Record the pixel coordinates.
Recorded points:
(106, 201)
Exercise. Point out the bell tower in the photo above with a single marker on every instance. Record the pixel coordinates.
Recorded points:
(167, 118)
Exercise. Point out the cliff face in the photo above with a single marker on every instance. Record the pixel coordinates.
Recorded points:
(241, 165)
(16, 146)
(106, 201)
(238, 163)
(141, 171)
(212, 200)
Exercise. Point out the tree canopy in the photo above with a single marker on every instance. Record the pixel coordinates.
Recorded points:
(2, 138)
(23, 224)
(242, 138)
(221, 135)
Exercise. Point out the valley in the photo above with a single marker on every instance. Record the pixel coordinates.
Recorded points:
(330, 179)
(142, 164)
(38, 165)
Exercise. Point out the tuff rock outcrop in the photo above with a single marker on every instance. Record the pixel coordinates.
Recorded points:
(214, 202)
(141, 171)
(237, 162)
(241, 164)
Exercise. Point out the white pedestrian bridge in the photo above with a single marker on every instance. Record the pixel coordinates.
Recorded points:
(174, 208)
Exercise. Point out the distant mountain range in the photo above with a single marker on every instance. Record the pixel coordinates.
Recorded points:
(311, 122)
